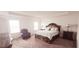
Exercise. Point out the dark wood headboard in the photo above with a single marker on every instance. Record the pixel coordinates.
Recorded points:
(54, 24)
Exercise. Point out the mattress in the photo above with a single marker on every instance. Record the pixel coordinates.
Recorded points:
(47, 33)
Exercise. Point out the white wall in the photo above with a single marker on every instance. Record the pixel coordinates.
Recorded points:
(3, 25)
(63, 21)
(4, 36)
(27, 21)
(78, 34)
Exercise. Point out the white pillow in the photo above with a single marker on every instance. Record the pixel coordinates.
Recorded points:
(54, 29)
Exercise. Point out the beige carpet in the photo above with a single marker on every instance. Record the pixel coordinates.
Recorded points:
(36, 43)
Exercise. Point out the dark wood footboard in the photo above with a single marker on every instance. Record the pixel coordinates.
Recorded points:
(46, 39)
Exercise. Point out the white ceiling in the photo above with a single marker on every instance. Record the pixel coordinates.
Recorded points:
(44, 13)
(41, 13)
(38, 13)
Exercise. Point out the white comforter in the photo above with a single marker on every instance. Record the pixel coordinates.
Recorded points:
(47, 33)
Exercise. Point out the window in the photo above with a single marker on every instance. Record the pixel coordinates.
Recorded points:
(35, 25)
(14, 26)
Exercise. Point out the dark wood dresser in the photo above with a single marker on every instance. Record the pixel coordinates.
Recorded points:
(70, 36)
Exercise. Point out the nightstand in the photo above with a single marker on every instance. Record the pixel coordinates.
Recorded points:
(68, 35)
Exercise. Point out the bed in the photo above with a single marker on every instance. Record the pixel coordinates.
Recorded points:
(49, 34)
